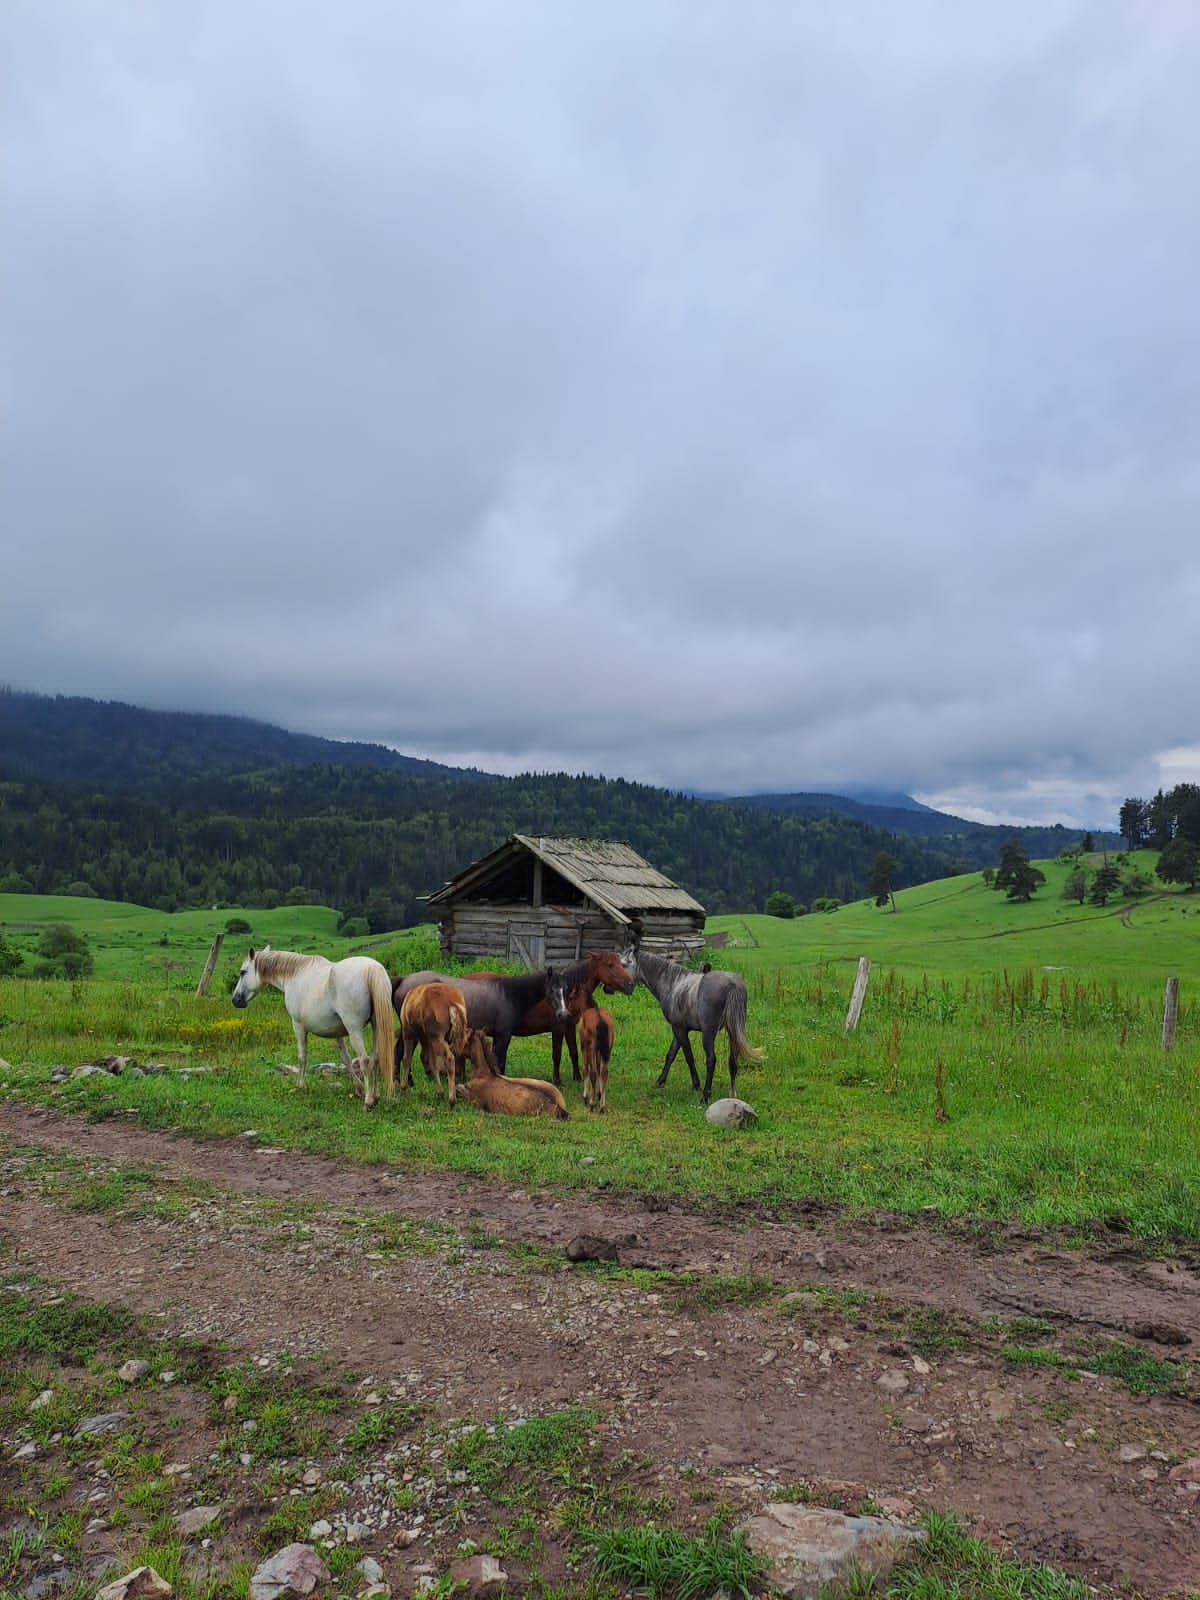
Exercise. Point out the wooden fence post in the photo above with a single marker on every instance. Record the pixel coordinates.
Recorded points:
(202, 986)
(1170, 1013)
(859, 994)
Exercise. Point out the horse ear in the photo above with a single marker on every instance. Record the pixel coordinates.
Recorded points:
(252, 952)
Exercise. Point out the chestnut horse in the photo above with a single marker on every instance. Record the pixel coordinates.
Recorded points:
(434, 1016)
(595, 1046)
(496, 1004)
(601, 968)
(519, 1097)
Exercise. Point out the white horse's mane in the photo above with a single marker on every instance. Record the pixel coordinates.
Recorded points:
(272, 964)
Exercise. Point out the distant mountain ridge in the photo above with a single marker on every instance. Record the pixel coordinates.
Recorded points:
(178, 808)
(898, 812)
(108, 742)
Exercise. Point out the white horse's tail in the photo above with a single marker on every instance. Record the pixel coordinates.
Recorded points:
(379, 986)
(735, 1026)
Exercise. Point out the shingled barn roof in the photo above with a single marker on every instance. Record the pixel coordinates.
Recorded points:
(612, 875)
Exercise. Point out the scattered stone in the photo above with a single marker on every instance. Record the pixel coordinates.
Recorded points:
(1131, 1452)
(892, 1382)
(1186, 1472)
(196, 1517)
(105, 1422)
(808, 1547)
(370, 1569)
(143, 1583)
(320, 1530)
(483, 1576)
(590, 1247)
(1160, 1332)
(291, 1573)
(25, 1452)
(730, 1113)
(132, 1371)
(43, 1399)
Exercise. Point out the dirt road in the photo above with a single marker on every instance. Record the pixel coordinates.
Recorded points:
(876, 1366)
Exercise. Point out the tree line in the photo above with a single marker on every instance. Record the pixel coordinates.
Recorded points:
(372, 843)
(1170, 824)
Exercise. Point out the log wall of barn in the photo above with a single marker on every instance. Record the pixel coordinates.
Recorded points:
(470, 930)
(481, 929)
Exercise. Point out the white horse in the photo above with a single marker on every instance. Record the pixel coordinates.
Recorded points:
(334, 1000)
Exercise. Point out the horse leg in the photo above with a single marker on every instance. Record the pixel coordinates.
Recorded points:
(678, 1043)
(671, 1054)
(301, 1033)
(406, 1064)
(557, 1035)
(572, 1048)
(370, 1073)
(451, 1073)
(500, 1044)
(587, 1075)
(710, 1062)
(733, 1065)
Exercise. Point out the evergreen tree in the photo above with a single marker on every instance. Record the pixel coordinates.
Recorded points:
(1107, 881)
(1015, 875)
(881, 878)
(1075, 885)
(1135, 822)
(1180, 863)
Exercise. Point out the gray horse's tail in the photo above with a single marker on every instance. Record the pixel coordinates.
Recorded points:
(734, 1021)
(384, 1020)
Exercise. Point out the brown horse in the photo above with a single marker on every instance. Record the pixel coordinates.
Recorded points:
(488, 1090)
(496, 1004)
(434, 1016)
(595, 1046)
(601, 968)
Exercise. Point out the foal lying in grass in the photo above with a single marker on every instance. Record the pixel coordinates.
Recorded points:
(488, 1090)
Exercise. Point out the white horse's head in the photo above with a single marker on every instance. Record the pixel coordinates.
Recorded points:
(249, 982)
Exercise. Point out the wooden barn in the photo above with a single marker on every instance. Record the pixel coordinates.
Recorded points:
(550, 901)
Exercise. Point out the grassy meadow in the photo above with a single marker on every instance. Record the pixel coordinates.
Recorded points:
(1007, 1064)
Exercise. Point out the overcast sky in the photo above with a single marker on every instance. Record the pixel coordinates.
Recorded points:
(726, 396)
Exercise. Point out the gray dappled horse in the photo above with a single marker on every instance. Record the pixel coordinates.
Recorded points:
(703, 1003)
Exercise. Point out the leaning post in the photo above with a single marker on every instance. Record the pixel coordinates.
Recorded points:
(859, 994)
(206, 975)
(1170, 1013)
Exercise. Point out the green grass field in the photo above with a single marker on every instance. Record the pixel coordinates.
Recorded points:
(1007, 1064)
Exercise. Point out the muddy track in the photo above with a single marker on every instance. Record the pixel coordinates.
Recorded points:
(747, 1396)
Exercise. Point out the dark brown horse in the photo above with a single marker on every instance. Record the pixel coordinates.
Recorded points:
(497, 1003)
(602, 968)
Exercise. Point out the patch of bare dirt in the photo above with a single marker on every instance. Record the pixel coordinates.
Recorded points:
(817, 1388)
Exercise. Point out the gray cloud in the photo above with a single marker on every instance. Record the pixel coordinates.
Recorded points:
(785, 398)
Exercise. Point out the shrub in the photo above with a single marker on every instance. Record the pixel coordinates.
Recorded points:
(10, 958)
(780, 904)
(64, 953)
(238, 925)
(354, 928)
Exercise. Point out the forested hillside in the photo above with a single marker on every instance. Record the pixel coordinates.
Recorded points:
(975, 843)
(114, 745)
(372, 841)
(171, 809)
